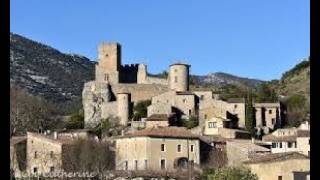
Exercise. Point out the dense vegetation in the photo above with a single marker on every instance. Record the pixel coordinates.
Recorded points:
(140, 110)
(30, 113)
(301, 66)
(229, 173)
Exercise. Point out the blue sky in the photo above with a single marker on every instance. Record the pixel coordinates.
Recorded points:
(251, 38)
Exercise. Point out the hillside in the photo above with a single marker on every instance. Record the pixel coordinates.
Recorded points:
(220, 79)
(46, 72)
(296, 80)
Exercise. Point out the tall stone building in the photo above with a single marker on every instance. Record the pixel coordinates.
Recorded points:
(118, 87)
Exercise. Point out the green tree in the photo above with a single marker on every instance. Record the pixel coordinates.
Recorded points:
(249, 120)
(76, 120)
(141, 109)
(190, 123)
(297, 110)
(231, 173)
(266, 94)
(107, 127)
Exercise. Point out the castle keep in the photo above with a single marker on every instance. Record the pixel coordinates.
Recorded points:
(118, 87)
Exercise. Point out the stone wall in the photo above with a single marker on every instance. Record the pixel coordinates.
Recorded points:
(38, 154)
(146, 148)
(285, 168)
(140, 92)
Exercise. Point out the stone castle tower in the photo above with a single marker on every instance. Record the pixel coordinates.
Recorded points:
(123, 99)
(109, 63)
(179, 77)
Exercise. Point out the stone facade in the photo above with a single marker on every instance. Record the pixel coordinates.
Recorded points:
(289, 140)
(179, 77)
(169, 95)
(45, 153)
(279, 166)
(267, 116)
(149, 152)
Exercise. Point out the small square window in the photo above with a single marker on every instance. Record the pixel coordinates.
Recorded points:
(35, 170)
(270, 111)
(279, 177)
(162, 147)
(51, 169)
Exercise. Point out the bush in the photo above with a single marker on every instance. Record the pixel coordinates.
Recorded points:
(141, 109)
(190, 123)
(76, 121)
(230, 173)
(297, 110)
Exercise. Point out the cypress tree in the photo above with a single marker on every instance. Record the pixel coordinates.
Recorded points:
(250, 114)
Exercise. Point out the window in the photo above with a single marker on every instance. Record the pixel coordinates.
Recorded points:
(136, 164)
(189, 112)
(184, 100)
(175, 79)
(179, 148)
(126, 165)
(106, 78)
(273, 121)
(295, 144)
(290, 144)
(191, 148)
(205, 116)
(35, 170)
(145, 164)
(51, 169)
(235, 106)
(279, 177)
(274, 145)
(175, 70)
(162, 147)
(270, 111)
(280, 144)
(212, 124)
(51, 154)
(163, 164)
(35, 155)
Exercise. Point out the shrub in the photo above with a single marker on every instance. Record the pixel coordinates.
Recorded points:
(230, 173)
(141, 109)
(76, 121)
(190, 123)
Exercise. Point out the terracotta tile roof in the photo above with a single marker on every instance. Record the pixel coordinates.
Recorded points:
(236, 100)
(274, 157)
(303, 133)
(184, 93)
(158, 117)
(273, 138)
(163, 132)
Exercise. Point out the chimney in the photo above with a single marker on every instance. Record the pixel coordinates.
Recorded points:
(55, 135)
